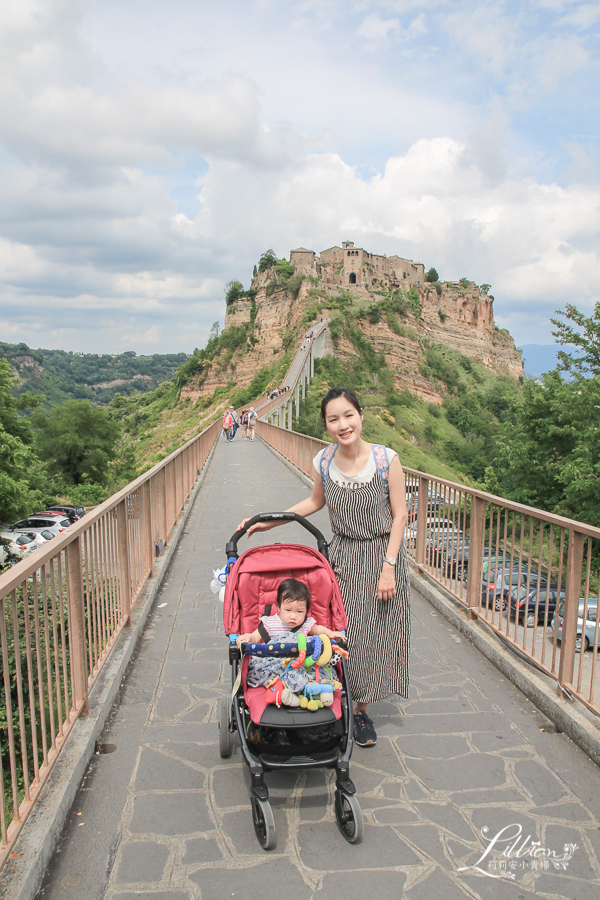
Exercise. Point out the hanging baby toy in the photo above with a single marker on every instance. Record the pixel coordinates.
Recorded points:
(317, 693)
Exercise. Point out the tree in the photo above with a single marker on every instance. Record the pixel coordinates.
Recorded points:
(22, 482)
(550, 455)
(233, 291)
(484, 288)
(77, 441)
(432, 275)
(586, 337)
(267, 260)
(11, 406)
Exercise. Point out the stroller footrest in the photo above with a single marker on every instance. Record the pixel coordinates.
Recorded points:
(295, 717)
(308, 760)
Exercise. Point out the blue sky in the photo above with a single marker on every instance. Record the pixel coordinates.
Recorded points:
(149, 152)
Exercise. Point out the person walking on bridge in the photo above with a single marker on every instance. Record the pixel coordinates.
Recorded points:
(362, 485)
(251, 423)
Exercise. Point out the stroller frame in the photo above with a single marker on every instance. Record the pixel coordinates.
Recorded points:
(235, 716)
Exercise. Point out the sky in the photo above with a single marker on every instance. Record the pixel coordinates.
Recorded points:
(151, 150)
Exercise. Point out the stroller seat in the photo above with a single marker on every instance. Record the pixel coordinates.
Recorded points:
(263, 713)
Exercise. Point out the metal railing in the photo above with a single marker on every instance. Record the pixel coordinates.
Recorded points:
(532, 576)
(61, 612)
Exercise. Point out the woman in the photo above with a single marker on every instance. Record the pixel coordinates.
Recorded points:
(363, 487)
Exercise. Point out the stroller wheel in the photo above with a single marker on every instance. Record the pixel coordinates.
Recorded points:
(224, 736)
(264, 823)
(349, 816)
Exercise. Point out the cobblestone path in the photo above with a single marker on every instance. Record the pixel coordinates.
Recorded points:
(164, 818)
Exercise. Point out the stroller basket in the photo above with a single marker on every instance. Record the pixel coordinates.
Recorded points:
(285, 737)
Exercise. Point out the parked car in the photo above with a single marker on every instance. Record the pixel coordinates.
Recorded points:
(444, 547)
(523, 603)
(73, 513)
(434, 501)
(20, 545)
(457, 563)
(585, 636)
(438, 530)
(51, 523)
(496, 591)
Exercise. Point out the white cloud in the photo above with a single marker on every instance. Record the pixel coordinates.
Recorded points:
(102, 105)
(376, 29)
(150, 337)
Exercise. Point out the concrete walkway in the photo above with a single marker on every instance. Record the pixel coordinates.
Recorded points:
(161, 816)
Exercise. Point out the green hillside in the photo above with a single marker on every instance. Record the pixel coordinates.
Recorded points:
(62, 376)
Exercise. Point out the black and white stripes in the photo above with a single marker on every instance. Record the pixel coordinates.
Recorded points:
(378, 632)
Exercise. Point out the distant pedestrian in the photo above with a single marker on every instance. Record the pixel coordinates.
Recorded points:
(233, 428)
(227, 425)
(251, 423)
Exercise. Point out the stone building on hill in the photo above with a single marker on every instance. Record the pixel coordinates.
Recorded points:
(348, 265)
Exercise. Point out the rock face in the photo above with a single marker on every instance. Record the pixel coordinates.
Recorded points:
(457, 314)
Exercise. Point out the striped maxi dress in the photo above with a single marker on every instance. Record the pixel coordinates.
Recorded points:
(378, 631)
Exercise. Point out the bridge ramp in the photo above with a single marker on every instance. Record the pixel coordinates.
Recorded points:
(162, 817)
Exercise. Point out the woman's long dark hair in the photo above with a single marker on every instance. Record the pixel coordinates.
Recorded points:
(336, 392)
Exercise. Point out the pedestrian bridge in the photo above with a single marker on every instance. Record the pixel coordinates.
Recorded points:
(158, 813)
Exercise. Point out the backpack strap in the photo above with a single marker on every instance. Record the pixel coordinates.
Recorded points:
(326, 458)
(381, 462)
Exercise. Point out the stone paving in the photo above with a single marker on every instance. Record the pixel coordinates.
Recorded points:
(164, 818)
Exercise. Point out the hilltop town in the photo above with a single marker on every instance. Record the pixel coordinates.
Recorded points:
(457, 314)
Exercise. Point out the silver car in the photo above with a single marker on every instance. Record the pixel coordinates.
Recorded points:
(591, 632)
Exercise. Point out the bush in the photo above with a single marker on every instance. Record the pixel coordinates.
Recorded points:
(415, 302)
(284, 269)
(438, 288)
(464, 282)
(443, 315)
(432, 275)
(443, 369)
(233, 291)
(267, 261)
(294, 284)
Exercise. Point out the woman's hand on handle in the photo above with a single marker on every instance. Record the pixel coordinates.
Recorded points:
(258, 526)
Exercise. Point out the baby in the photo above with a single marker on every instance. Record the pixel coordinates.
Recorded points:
(293, 605)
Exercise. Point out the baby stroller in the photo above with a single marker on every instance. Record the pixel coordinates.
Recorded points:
(284, 737)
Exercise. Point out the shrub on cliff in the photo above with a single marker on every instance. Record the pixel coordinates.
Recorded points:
(267, 260)
(233, 291)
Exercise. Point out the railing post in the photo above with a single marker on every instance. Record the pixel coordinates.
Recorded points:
(422, 520)
(77, 625)
(163, 519)
(474, 570)
(124, 575)
(148, 551)
(571, 608)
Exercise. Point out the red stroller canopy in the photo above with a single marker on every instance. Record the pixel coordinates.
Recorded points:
(255, 577)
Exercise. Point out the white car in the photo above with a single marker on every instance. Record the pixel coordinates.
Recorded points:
(20, 545)
(54, 524)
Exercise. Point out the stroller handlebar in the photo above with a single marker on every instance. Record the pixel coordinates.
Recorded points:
(231, 549)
